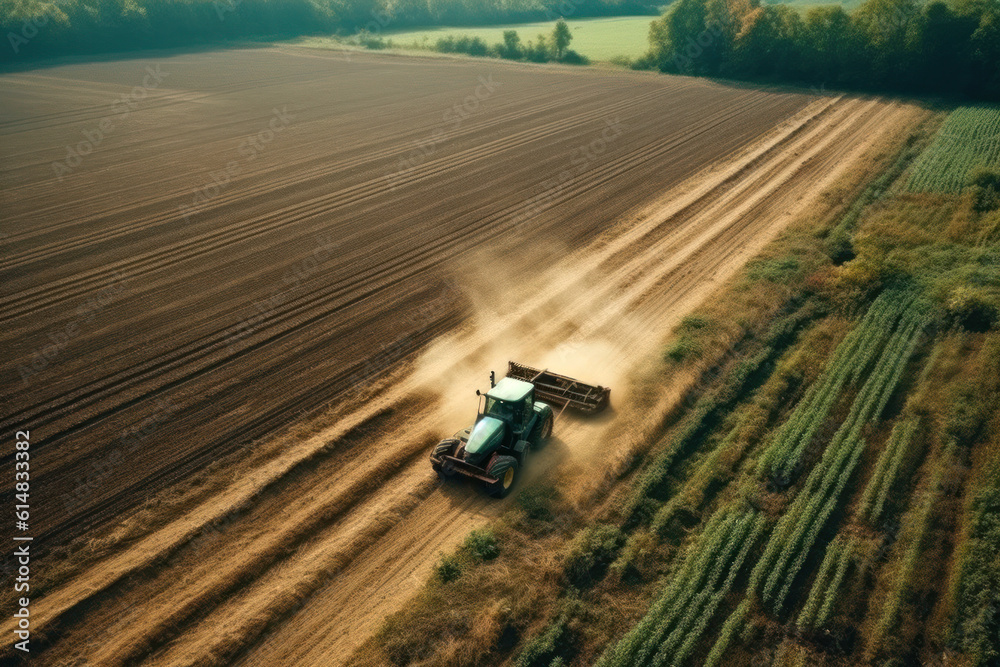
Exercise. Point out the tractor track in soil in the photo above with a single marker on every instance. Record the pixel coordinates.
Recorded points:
(312, 545)
(175, 334)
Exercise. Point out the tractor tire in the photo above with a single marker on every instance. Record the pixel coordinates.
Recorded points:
(505, 470)
(522, 458)
(447, 447)
(544, 431)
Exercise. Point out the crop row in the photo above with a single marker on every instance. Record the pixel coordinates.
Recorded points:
(733, 626)
(784, 453)
(915, 526)
(707, 408)
(670, 630)
(970, 137)
(977, 594)
(799, 528)
(695, 487)
(887, 469)
(823, 595)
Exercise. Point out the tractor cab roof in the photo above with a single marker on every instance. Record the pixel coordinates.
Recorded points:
(511, 390)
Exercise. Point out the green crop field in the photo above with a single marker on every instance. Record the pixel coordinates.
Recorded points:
(970, 137)
(597, 39)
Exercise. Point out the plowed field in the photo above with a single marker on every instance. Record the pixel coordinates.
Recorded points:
(268, 234)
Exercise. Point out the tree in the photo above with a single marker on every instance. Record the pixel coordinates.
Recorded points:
(537, 51)
(888, 28)
(511, 47)
(829, 47)
(561, 37)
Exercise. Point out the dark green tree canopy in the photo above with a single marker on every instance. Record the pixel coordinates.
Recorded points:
(942, 47)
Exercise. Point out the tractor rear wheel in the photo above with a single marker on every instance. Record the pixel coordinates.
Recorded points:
(504, 469)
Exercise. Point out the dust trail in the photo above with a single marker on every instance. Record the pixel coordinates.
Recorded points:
(575, 316)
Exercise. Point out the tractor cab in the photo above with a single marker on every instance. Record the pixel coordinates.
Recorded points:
(510, 401)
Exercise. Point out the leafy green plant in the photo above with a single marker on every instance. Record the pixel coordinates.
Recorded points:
(685, 347)
(675, 622)
(449, 568)
(887, 469)
(730, 630)
(545, 649)
(783, 455)
(590, 552)
(481, 545)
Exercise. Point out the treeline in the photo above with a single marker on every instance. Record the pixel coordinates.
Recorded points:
(544, 48)
(45, 28)
(553, 47)
(884, 45)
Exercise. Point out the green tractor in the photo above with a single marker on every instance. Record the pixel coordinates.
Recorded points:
(514, 417)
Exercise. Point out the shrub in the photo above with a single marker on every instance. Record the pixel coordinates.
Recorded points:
(448, 568)
(538, 51)
(477, 47)
(553, 642)
(445, 44)
(839, 247)
(511, 47)
(971, 308)
(537, 501)
(571, 57)
(481, 545)
(590, 552)
(684, 347)
(985, 186)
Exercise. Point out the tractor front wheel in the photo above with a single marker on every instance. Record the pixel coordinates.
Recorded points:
(444, 448)
(504, 470)
(545, 431)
